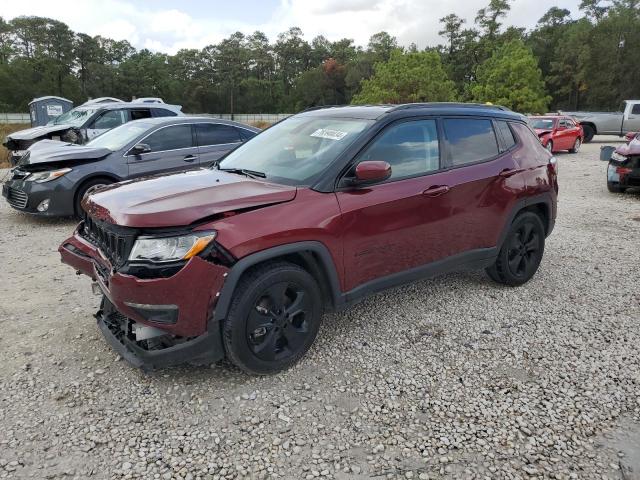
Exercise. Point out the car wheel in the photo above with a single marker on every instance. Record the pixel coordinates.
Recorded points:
(549, 146)
(274, 318)
(521, 252)
(589, 132)
(576, 146)
(85, 188)
(614, 187)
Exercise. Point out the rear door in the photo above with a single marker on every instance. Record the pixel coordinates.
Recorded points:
(172, 147)
(484, 180)
(215, 140)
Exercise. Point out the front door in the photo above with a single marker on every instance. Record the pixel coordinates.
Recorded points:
(106, 121)
(401, 223)
(172, 148)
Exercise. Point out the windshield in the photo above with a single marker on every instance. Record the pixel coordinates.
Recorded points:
(75, 117)
(296, 150)
(119, 137)
(542, 123)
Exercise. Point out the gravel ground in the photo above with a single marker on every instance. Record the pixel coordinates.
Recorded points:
(454, 377)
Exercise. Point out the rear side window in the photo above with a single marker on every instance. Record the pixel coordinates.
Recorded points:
(246, 134)
(506, 135)
(470, 140)
(163, 112)
(216, 134)
(411, 148)
(140, 113)
(170, 138)
(635, 110)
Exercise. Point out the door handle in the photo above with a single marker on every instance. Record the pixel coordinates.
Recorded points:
(190, 158)
(436, 190)
(508, 172)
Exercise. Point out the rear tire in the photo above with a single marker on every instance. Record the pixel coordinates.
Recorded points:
(521, 251)
(614, 187)
(589, 132)
(274, 318)
(576, 146)
(85, 188)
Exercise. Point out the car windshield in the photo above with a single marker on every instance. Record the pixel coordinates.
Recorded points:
(296, 150)
(119, 137)
(542, 123)
(75, 117)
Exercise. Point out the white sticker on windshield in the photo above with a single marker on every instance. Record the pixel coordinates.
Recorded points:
(328, 133)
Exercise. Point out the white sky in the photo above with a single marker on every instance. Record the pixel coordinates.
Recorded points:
(167, 26)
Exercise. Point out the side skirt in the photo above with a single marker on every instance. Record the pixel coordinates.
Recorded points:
(471, 260)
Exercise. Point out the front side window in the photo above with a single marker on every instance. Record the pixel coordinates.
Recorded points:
(297, 150)
(216, 134)
(470, 140)
(109, 120)
(411, 148)
(170, 138)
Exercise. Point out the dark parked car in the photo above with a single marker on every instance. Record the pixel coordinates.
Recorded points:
(623, 170)
(558, 132)
(53, 177)
(313, 214)
(85, 123)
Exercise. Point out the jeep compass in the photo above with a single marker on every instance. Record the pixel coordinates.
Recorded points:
(240, 260)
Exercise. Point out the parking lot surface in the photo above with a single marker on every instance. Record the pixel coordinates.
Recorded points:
(454, 377)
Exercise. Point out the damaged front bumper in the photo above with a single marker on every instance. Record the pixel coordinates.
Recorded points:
(178, 309)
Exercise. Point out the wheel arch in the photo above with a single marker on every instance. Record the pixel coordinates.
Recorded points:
(313, 256)
(541, 205)
(590, 125)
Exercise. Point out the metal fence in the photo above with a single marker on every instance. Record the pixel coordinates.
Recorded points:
(15, 118)
(238, 117)
(248, 117)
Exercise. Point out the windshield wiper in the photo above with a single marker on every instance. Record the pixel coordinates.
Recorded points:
(245, 172)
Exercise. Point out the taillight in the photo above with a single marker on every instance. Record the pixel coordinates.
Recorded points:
(623, 170)
(553, 164)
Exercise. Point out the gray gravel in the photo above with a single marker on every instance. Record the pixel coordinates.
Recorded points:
(454, 377)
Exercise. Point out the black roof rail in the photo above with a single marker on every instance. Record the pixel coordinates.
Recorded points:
(406, 106)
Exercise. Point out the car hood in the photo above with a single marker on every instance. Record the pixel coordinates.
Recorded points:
(37, 132)
(53, 151)
(542, 131)
(182, 199)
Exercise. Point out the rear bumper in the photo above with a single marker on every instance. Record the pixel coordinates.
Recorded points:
(181, 305)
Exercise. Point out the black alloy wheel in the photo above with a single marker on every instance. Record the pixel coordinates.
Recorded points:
(521, 252)
(274, 318)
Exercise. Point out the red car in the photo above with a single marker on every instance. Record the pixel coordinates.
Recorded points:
(558, 132)
(333, 204)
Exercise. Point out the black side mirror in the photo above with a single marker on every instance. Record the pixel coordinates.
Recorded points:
(140, 148)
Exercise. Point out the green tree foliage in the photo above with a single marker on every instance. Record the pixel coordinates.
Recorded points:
(591, 62)
(511, 77)
(407, 77)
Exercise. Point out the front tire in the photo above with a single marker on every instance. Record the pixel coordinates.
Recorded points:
(576, 146)
(589, 132)
(85, 188)
(274, 318)
(549, 146)
(521, 251)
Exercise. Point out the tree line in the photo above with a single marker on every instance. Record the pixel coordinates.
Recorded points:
(592, 62)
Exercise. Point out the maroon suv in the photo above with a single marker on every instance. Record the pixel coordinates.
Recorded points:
(242, 259)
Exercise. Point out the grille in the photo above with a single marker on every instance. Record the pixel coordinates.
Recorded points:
(114, 242)
(17, 198)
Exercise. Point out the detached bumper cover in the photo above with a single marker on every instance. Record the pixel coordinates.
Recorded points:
(116, 328)
(193, 291)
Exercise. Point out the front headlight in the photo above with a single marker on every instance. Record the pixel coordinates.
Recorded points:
(41, 177)
(170, 249)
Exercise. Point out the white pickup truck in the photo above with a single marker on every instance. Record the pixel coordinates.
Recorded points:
(610, 123)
